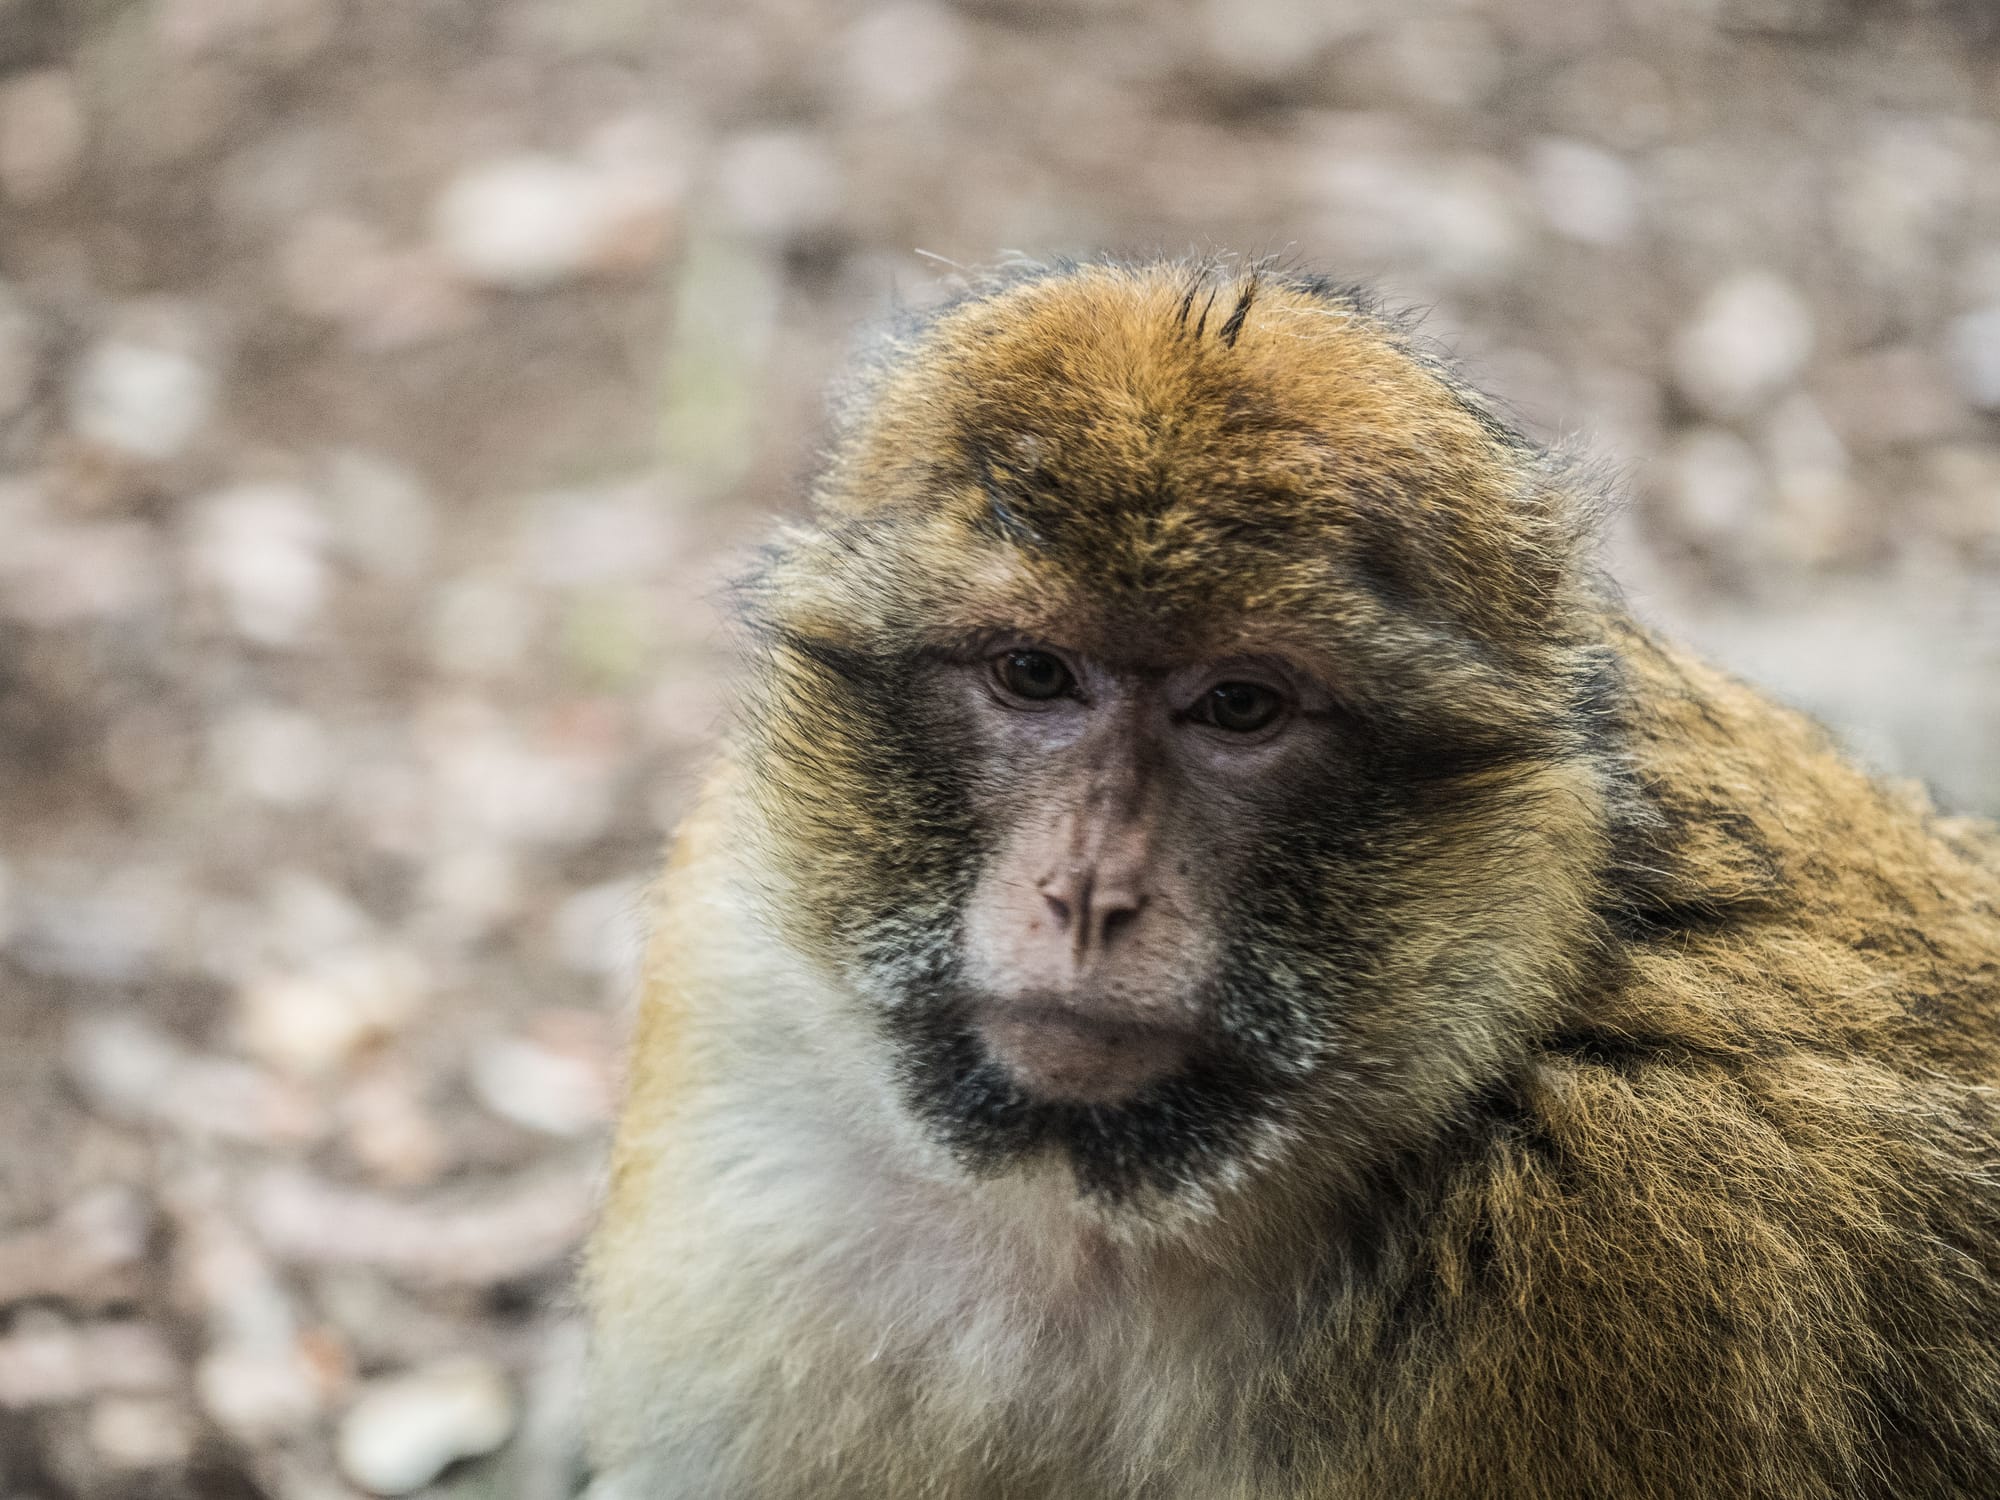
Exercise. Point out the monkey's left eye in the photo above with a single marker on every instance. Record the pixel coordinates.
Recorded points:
(1034, 675)
(1240, 707)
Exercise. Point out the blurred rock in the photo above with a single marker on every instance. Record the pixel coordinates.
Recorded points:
(904, 55)
(140, 400)
(388, 1128)
(138, 1432)
(383, 515)
(274, 755)
(83, 922)
(615, 533)
(85, 1255)
(1469, 227)
(335, 269)
(1272, 40)
(262, 1377)
(1611, 96)
(1447, 61)
(260, 547)
(480, 626)
(405, 1430)
(57, 574)
(314, 1021)
(527, 222)
(1715, 486)
(1749, 339)
(1974, 342)
(543, 1086)
(1813, 517)
(1586, 194)
(782, 184)
(490, 784)
(1898, 200)
(466, 891)
(45, 1360)
(501, 1231)
(133, 1071)
(43, 133)
(257, 1394)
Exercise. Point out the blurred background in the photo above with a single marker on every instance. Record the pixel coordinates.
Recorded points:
(386, 384)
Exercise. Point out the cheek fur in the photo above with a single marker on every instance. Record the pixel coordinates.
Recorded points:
(873, 799)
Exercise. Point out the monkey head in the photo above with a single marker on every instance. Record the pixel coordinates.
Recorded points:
(1180, 725)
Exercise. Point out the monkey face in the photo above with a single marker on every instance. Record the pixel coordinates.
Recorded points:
(1175, 736)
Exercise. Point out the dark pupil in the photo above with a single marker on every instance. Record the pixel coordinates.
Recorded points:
(1035, 674)
(1242, 706)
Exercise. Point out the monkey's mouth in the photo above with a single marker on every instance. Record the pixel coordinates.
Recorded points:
(1134, 1105)
(1065, 1055)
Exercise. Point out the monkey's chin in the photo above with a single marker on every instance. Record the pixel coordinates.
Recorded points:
(1064, 1057)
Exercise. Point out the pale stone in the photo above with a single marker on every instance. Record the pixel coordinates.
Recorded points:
(540, 1087)
(406, 1430)
(275, 755)
(1586, 194)
(314, 1021)
(779, 183)
(535, 220)
(258, 1394)
(140, 400)
(383, 516)
(339, 270)
(1814, 518)
(139, 1432)
(1749, 340)
(906, 55)
(617, 533)
(1715, 486)
(1272, 39)
(520, 223)
(260, 546)
(480, 626)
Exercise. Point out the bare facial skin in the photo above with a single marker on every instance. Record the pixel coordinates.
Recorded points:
(1090, 933)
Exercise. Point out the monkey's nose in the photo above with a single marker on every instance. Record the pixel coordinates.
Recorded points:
(1092, 911)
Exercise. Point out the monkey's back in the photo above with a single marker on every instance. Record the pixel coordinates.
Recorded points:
(1738, 1231)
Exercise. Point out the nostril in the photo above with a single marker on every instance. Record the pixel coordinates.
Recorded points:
(1117, 919)
(1059, 907)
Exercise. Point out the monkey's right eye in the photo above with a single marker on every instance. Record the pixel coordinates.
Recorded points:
(1034, 675)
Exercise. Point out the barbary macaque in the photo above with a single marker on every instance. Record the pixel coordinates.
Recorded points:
(1220, 963)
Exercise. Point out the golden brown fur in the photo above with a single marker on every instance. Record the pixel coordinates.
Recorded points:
(1661, 1156)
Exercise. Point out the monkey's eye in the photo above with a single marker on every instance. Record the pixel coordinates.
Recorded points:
(1034, 675)
(1240, 707)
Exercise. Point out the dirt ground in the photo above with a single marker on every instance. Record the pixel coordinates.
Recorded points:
(385, 389)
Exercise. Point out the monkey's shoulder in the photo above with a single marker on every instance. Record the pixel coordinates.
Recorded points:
(1775, 893)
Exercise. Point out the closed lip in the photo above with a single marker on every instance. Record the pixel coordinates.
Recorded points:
(1072, 1055)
